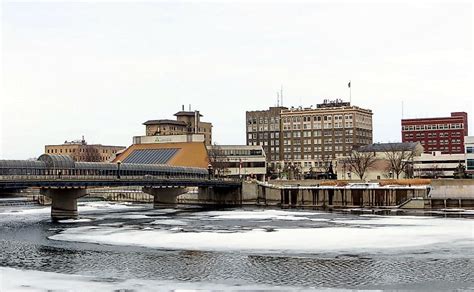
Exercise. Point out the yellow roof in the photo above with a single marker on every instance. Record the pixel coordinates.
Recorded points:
(189, 153)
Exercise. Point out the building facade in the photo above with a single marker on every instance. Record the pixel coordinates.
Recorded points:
(437, 164)
(238, 161)
(187, 122)
(263, 129)
(443, 134)
(309, 138)
(79, 150)
(469, 143)
(313, 138)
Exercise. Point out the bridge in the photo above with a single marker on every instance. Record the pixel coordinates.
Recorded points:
(64, 181)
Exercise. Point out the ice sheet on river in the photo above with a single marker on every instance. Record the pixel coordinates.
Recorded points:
(27, 280)
(341, 234)
(82, 207)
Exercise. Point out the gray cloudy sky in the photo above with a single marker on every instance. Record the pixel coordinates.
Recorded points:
(100, 69)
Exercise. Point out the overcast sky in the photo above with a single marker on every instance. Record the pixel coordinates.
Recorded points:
(101, 69)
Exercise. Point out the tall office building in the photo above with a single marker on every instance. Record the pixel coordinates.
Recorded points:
(310, 137)
(263, 128)
(445, 134)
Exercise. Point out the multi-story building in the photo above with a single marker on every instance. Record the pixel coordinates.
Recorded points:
(187, 122)
(314, 137)
(437, 165)
(238, 161)
(79, 150)
(309, 138)
(444, 134)
(469, 142)
(263, 128)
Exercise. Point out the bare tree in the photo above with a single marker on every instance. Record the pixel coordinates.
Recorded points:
(218, 160)
(433, 172)
(360, 162)
(399, 158)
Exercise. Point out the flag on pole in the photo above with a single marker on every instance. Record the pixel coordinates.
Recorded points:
(349, 84)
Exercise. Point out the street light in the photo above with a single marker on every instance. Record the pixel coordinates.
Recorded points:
(390, 174)
(209, 170)
(118, 169)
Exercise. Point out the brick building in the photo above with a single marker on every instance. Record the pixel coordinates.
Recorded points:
(444, 134)
(79, 150)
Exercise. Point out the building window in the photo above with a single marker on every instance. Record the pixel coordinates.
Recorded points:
(470, 164)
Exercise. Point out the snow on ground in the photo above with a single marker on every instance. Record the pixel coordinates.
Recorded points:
(28, 280)
(365, 233)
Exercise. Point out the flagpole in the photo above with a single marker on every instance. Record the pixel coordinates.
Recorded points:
(350, 92)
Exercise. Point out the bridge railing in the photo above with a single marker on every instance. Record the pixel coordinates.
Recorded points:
(108, 178)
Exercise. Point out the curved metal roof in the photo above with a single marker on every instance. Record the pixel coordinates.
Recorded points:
(57, 161)
(22, 164)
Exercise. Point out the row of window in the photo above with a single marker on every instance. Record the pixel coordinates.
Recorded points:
(317, 118)
(432, 127)
(432, 135)
(81, 150)
(263, 120)
(325, 125)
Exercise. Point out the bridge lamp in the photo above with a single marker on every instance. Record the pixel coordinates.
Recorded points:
(209, 169)
(118, 168)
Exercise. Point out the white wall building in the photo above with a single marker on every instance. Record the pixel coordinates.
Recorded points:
(437, 164)
(469, 151)
(239, 160)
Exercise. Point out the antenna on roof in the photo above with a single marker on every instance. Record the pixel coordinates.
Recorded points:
(189, 107)
(278, 99)
(281, 94)
(182, 107)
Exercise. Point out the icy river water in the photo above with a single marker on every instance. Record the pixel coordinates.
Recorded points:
(120, 247)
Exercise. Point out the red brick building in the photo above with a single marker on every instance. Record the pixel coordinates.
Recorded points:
(445, 134)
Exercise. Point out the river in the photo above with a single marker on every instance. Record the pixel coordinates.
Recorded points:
(125, 247)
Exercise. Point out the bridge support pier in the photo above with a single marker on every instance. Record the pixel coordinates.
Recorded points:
(63, 202)
(225, 196)
(164, 196)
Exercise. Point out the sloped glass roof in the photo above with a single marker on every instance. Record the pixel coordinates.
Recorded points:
(151, 156)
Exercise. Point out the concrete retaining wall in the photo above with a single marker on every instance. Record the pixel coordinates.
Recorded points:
(452, 188)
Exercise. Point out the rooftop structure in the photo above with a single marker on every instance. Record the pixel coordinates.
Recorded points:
(187, 122)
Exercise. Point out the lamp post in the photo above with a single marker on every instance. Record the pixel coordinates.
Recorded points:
(390, 174)
(118, 169)
(209, 170)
